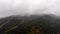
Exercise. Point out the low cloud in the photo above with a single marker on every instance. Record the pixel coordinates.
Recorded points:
(23, 7)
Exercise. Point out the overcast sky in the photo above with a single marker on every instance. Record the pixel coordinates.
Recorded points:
(22, 7)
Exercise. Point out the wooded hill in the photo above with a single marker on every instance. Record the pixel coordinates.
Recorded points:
(34, 24)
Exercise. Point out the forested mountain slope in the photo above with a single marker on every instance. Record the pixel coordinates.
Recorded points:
(34, 24)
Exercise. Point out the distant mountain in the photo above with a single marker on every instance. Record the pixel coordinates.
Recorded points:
(38, 24)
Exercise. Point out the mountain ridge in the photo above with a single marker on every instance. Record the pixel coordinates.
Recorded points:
(15, 24)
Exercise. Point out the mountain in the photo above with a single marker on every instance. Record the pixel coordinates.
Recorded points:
(34, 24)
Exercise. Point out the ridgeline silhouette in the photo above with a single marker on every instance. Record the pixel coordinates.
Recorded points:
(34, 24)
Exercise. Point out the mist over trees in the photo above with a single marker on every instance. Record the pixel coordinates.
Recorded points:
(38, 24)
(25, 16)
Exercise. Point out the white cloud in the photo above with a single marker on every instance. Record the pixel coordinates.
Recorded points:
(14, 7)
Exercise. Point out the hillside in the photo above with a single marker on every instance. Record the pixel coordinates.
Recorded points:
(34, 24)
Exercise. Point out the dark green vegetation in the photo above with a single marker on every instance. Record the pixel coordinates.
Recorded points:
(34, 24)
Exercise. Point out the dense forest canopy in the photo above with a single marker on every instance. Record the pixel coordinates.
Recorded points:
(34, 24)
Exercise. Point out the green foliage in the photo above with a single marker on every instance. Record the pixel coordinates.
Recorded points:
(28, 25)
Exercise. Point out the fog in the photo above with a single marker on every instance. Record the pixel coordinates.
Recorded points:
(29, 7)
